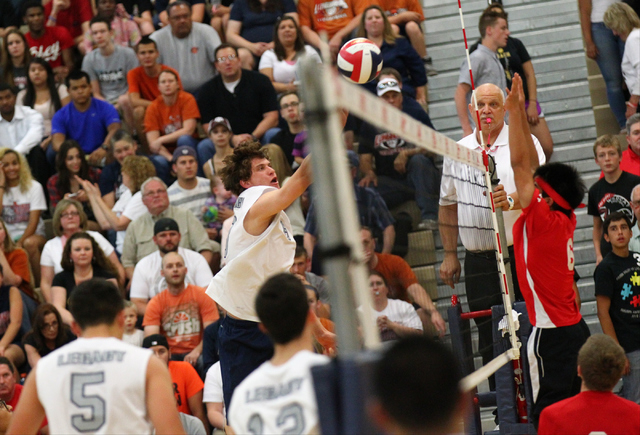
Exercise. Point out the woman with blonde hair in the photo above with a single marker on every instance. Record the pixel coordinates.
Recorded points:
(135, 171)
(396, 51)
(624, 22)
(69, 218)
(22, 201)
(283, 170)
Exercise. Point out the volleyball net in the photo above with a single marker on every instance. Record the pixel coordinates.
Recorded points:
(325, 92)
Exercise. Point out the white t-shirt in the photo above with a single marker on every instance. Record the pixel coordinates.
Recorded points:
(598, 8)
(285, 71)
(17, 205)
(128, 206)
(147, 281)
(192, 199)
(631, 62)
(251, 259)
(295, 215)
(400, 312)
(46, 109)
(52, 251)
(278, 399)
(135, 338)
(213, 385)
(95, 385)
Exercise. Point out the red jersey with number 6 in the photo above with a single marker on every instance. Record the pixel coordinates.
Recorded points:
(543, 245)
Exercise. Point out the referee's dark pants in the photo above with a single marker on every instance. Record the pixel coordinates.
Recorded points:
(482, 283)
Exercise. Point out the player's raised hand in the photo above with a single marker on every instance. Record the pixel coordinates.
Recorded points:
(515, 95)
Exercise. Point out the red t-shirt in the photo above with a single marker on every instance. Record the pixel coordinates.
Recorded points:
(591, 412)
(543, 245)
(398, 275)
(16, 398)
(181, 317)
(186, 383)
(72, 18)
(167, 119)
(629, 162)
(147, 86)
(49, 47)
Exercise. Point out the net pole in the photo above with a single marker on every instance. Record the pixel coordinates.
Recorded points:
(506, 282)
(340, 244)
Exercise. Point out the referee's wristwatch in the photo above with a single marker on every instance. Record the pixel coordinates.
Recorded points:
(512, 202)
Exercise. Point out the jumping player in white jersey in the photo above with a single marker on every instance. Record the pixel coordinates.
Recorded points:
(543, 244)
(98, 384)
(278, 397)
(260, 244)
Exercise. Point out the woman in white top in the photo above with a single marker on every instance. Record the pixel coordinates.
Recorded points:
(23, 201)
(135, 171)
(43, 95)
(69, 218)
(280, 62)
(395, 318)
(624, 22)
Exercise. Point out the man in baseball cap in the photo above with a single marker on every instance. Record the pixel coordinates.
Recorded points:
(189, 191)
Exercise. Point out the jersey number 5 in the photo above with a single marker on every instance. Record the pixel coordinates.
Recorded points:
(95, 403)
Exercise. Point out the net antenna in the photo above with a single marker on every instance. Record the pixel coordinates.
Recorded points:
(324, 92)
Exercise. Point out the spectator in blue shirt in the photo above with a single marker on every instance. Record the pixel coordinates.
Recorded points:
(87, 120)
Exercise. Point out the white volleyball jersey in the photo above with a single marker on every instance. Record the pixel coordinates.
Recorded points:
(95, 385)
(250, 260)
(278, 399)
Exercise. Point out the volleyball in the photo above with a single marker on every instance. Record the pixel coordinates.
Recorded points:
(360, 60)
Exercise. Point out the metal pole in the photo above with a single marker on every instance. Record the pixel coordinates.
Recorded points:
(340, 242)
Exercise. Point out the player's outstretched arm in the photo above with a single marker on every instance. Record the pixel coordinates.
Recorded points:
(161, 404)
(521, 145)
(271, 203)
(30, 413)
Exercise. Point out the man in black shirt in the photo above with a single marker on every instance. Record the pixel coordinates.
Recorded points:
(611, 193)
(617, 280)
(289, 103)
(246, 98)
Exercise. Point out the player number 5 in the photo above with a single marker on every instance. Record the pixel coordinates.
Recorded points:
(95, 403)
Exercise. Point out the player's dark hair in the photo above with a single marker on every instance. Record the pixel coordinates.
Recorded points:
(95, 302)
(30, 4)
(282, 306)
(416, 382)
(77, 74)
(615, 217)
(237, 166)
(222, 47)
(145, 40)
(601, 362)
(566, 181)
(7, 362)
(489, 18)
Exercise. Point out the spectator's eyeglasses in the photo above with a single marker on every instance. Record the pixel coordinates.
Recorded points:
(155, 192)
(224, 59)
(387, 84)
(69, 214)
(292, 104)
(51, 325)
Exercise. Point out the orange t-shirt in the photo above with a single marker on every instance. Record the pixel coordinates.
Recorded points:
(398, 274)
(19, 262)
(167, 119)
(186, 383)
(146, 86)
(394, 7)
(330, 15)
(181, 317)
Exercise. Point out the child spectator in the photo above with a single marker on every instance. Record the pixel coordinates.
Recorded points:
(220, 135)
(220, 198)
(131, 335)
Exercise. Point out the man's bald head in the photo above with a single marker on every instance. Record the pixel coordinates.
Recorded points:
(490, 89)
(490, 101)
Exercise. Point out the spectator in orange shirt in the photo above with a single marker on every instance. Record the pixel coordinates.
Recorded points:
(180, 313)
(337, 17)
(187, 385)
(143, 83)
(170, 122)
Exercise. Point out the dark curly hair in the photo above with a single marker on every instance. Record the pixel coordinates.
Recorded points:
(38, 324)
(64, 175)
(565, 180)
(99, 259)
(237, 166)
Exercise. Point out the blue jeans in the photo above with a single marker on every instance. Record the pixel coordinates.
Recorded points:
(422, 183)
(631, 382)
(205, 150)
(610, 51)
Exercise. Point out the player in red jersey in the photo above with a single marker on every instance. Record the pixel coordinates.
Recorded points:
(543, 241)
